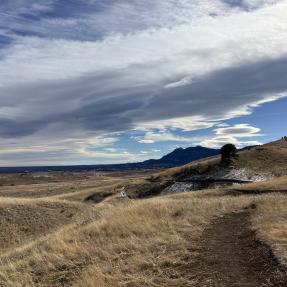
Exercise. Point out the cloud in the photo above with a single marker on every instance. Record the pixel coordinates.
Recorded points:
(87, 20)
(46, 150)
(177, 65)
(79, 75)
(182, 123)
(222, 125)
(164, 136)
(239, 130)
(239, 135)
(115, 156)
(115, 107)
(218, 142)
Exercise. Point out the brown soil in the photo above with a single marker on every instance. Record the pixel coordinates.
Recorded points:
(230, 255)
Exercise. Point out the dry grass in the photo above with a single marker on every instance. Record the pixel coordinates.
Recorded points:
(49, 237)
(269, 159)
(23, 220)
(270, 221)
(199, 166)
(278, 183)
(54, 189)
(131, 243)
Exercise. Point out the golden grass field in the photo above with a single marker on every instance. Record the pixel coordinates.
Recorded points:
(50, 236)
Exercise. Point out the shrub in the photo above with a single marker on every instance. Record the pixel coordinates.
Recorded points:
(228, 153)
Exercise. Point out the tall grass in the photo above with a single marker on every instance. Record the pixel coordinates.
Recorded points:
(140, 243)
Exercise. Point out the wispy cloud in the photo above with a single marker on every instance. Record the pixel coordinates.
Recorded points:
(152, 137)
(239, 130)
(239, 135)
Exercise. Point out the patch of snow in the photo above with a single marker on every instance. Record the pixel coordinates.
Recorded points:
(180, 187)
(123, 193)
(217, 173)
(42, 176)
(238, 174)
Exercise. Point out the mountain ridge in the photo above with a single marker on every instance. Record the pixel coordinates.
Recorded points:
(177, 157)
(181, 156)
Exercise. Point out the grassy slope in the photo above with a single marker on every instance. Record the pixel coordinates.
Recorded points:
(270, 158)
(24, 220)
(150, 242)
(132, 243)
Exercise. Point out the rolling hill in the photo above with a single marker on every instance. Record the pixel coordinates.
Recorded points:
(224, 237)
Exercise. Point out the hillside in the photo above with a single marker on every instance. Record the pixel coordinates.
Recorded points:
(225, 236)
(268, 160)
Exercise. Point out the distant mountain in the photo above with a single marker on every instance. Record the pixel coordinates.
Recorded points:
(177, 157)
(180, 156)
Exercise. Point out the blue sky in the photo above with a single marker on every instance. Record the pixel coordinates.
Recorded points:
(93, 81)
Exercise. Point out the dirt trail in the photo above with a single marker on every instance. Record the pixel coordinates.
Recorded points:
(231, 256)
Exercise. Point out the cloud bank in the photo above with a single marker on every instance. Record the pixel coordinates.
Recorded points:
(99, 68)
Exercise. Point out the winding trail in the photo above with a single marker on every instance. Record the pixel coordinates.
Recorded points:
(230, 256)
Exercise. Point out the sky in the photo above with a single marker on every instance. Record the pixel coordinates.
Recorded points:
(113, 81)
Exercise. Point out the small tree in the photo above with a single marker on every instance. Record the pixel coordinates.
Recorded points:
(228, 153)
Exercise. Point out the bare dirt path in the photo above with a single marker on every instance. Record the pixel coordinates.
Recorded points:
(231, 256)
